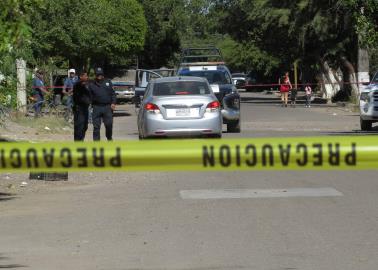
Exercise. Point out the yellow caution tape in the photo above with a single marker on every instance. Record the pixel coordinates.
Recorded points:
(307, 153)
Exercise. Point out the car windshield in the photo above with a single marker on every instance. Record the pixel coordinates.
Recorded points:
(180, 88)
(213, 77)
(375, 79)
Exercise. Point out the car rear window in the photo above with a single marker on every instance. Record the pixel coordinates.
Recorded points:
(180, 88)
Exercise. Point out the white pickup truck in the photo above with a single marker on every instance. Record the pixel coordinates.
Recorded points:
(369, 105)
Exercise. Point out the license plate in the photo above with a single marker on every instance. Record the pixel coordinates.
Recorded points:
(183, 112)
(215, 88)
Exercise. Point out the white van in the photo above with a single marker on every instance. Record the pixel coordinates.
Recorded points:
(369, 105)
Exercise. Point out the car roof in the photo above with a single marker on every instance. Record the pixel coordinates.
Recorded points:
(180, 78)
(210, 68)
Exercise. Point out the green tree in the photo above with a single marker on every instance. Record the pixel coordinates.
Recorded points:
(88, 31)
(166, 20)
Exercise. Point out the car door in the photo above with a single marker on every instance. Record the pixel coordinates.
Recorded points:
(142, 78)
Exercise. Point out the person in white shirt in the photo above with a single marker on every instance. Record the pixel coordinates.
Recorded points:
(308, 91)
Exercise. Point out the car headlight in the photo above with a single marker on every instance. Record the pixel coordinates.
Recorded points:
(365, 97)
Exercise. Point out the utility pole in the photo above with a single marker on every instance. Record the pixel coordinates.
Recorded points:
(21, 84)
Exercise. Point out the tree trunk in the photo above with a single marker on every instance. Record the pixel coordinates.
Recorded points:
(21, 84)
(330, 84)
(350, 77)
(363, 67)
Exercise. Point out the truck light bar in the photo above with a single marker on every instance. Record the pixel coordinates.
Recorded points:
(203, 64)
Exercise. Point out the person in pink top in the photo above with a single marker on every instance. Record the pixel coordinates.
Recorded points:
(285, 87)
(308, 91)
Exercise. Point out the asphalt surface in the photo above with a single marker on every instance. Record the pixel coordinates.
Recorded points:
(147, 220)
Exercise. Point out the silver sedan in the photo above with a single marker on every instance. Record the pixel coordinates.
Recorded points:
(179, 106)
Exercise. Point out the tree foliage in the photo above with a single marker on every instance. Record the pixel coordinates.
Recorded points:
(88, 31)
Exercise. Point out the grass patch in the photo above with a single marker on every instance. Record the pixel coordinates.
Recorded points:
(45, 124)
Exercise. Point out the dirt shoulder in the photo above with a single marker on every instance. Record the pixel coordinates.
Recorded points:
(36, 130)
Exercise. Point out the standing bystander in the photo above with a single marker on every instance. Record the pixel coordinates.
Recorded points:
(308, 91)
(103, 103)
(69, 83)
(38, 92)
(285, 87)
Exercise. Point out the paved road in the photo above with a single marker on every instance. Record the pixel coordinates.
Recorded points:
(157, 221)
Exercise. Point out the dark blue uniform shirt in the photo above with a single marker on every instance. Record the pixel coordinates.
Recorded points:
(102, 92)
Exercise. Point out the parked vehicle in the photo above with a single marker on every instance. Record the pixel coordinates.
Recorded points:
(213, 68)
(124, 91)
(238, 80)
(369, 105)
(179, 106)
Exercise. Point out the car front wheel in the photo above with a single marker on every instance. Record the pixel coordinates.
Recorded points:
(366, 125)
(233, 127)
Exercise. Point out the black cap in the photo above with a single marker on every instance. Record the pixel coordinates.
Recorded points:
(99, 71)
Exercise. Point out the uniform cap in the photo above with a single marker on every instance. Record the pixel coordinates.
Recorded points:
(72, 70)
(99, 71)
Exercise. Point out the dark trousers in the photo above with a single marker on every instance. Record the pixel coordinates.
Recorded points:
(105, 114)
(38, 104)
(81, 113)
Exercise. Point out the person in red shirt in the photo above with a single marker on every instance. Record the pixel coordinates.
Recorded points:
(285, 87)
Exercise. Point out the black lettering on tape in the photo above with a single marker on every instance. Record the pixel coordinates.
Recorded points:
(302, 148)
(252, 151)
(2, 159)
(32, 158)
(66, 153)
(98, 159)
(48, 157)
(267, 155)
(318, 156)
(82, 161)
(116, 161)
(285, 154)
(334, 154)
(208, 158)
(238, 158)
(15, 156)
(225, 156)
(351, 158)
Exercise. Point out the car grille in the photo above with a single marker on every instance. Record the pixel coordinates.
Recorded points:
(375, 96)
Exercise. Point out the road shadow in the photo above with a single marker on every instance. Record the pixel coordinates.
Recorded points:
(374, 131)
(4, 196)
(121, 114)
(277, 100)
(9, 266)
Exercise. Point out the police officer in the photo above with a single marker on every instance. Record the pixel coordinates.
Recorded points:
(103, 102)
(81, 100)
